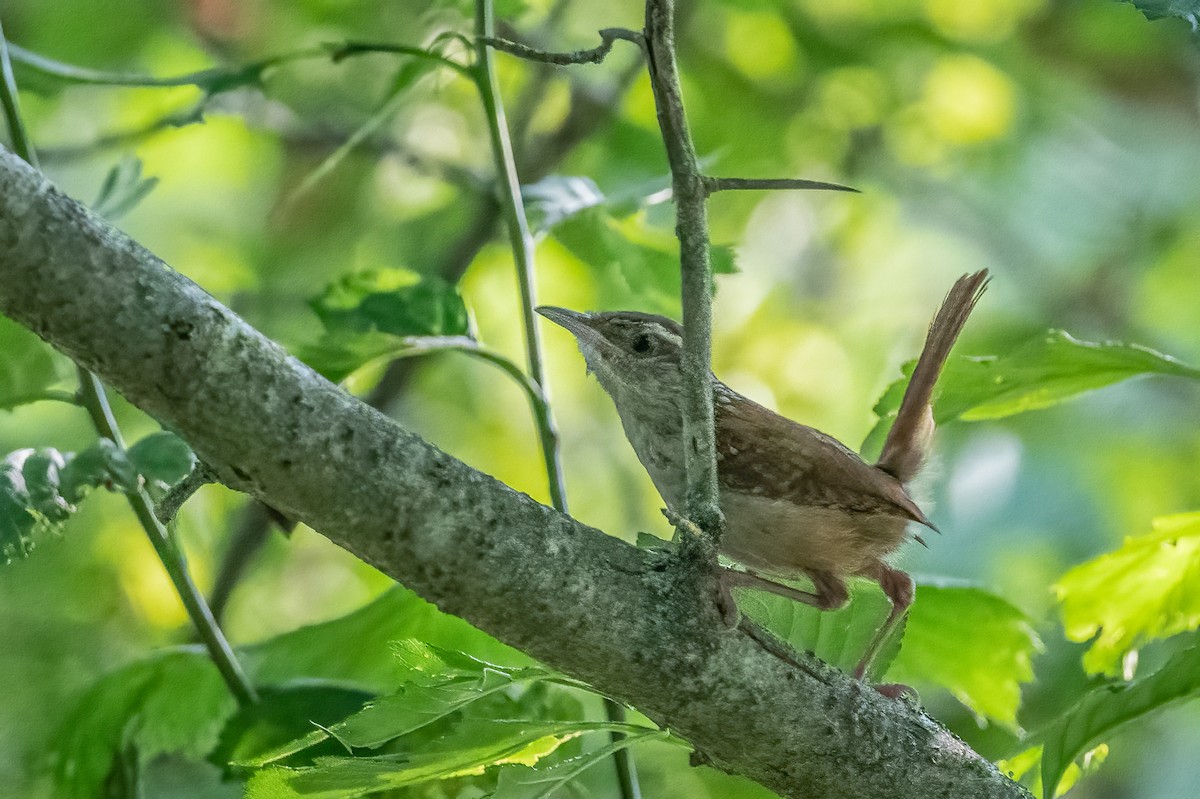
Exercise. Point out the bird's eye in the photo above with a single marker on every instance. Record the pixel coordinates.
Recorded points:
(641, 343)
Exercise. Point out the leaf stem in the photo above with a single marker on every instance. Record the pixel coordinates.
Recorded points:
(93, 399)
(521, 241)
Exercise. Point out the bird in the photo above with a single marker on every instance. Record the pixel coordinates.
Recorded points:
(798, 504)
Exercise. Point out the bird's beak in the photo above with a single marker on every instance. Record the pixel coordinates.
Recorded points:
(574, 321)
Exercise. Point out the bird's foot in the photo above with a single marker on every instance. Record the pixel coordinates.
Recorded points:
(682, 523)
(897, 690)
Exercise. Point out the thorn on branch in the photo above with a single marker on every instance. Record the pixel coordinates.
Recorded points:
(592, 56)
(713, 185)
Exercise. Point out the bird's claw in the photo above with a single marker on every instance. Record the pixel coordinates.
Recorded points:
(682, 523)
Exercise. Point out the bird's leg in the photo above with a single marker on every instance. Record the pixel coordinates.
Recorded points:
(829, 591)
(898, 587)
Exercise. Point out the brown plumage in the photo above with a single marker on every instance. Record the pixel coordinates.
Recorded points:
(797, 502)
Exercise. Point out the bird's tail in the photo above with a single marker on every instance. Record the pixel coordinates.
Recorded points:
(907, 443)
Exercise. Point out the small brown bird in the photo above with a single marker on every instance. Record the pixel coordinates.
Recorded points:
(797, 502)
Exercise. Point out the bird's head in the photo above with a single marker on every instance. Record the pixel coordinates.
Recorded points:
(632, 354)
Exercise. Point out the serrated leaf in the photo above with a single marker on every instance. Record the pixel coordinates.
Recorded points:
(472, 746)
(416, 705)
(971, 642)
(525, 782)
(1044, 371)
(338, 355)
(284, 713)
(27, 366)
(162, 457)
(1102, 711)
(172, 702)
(838, 637)
(1026, 768)
(1159, 9)
(1147, 589)
(392, 301)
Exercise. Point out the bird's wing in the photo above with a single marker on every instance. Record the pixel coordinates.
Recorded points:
(760, 452)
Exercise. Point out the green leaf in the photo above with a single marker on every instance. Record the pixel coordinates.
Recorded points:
(1102, 711)
(27, 366)
(1042, 372)
(631, 252)
(392, 301)
(1158, 9)
(39, 489)
(1026, 768)
(964, 639)
(123, 188)
(17, 520)
(284, 713)
(972, 643)
(385, 314)
(472, 746)
(416, 705)
(175, 701)
(162, 457)
(102, 464)
(1147, 589)
(838, 637)
(524, 782)
(354, 649)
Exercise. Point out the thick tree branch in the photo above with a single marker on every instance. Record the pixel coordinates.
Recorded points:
(581, 601)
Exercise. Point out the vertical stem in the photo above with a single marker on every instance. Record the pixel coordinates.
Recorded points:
(687, 183)
(521, 241)
(92, 397)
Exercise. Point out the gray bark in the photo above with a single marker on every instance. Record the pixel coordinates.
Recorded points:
(581, 601)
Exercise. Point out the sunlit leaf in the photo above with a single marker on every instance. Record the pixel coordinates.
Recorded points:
(972, 643)
(1104, 710)
(162, 457)
(524, 782)
(27, 366)
(1026, 768)
(173, 702)
(472, 746)
(1147, 589)
(1042, 372)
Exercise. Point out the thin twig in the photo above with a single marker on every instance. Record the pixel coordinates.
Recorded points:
(92, 398)
(713, 185)
(689, 191)
(593, 55)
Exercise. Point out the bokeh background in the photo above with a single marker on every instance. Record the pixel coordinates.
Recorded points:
(1055, 143)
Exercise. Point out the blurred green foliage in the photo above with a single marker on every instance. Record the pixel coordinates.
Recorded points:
(1052, 142)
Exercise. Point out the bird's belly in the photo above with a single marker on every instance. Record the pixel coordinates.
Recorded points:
(788, 540)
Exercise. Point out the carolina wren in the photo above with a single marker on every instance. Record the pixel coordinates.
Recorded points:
(797, 502)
